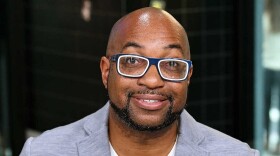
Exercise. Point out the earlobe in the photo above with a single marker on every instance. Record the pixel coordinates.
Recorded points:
(105, 67)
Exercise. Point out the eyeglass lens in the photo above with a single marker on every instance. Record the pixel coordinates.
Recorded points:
(132, 65)
(173, 69)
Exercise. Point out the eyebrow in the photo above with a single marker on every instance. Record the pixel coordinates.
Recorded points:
(131, 44)
(174, 46)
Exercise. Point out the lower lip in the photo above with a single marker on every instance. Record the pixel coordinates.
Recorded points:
(152, 106)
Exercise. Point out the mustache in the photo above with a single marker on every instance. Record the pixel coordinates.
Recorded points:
(170, 97)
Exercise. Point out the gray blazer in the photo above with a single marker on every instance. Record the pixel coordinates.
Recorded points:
(89, 137)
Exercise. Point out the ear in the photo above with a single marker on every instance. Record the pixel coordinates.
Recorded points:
(104, 67)
(190, 75)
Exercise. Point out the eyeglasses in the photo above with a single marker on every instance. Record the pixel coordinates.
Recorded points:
(134, 66)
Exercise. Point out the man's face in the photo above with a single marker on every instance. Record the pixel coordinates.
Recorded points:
(149, 102)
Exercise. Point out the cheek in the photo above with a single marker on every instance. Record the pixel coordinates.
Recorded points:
(118, 87)
(180, 95)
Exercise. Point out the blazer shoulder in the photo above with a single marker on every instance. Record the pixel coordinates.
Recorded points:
(62, 140)
(219, 143)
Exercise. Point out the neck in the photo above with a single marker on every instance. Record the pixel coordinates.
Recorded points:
(128, 141)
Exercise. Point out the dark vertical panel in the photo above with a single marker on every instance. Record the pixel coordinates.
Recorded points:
(16, 73)
(243, 76)
(4, 114)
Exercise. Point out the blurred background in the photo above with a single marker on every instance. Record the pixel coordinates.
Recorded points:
(50, 76)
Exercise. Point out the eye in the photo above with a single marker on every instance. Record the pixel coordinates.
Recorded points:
(131, 60)
(172, 63)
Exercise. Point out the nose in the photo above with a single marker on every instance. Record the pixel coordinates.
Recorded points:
(151, 79)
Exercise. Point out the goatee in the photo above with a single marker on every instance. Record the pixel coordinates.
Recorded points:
(124, 114)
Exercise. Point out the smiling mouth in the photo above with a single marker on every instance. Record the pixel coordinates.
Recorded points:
(150, 102)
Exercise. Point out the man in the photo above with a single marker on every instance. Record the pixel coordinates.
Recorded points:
(147, 70)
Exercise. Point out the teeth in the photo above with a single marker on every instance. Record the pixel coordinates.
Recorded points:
(151, 101)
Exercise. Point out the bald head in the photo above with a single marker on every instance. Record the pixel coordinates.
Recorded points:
(145, 23)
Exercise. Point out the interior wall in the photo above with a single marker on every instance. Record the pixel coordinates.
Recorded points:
(59, 78)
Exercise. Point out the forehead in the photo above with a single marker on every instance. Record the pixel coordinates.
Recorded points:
(148, 25)
(151, 32)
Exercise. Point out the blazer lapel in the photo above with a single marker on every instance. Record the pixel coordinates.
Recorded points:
(189, 137)
(97, 141)
(95, 145)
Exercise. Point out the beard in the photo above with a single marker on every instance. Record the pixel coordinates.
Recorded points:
(125, 114)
